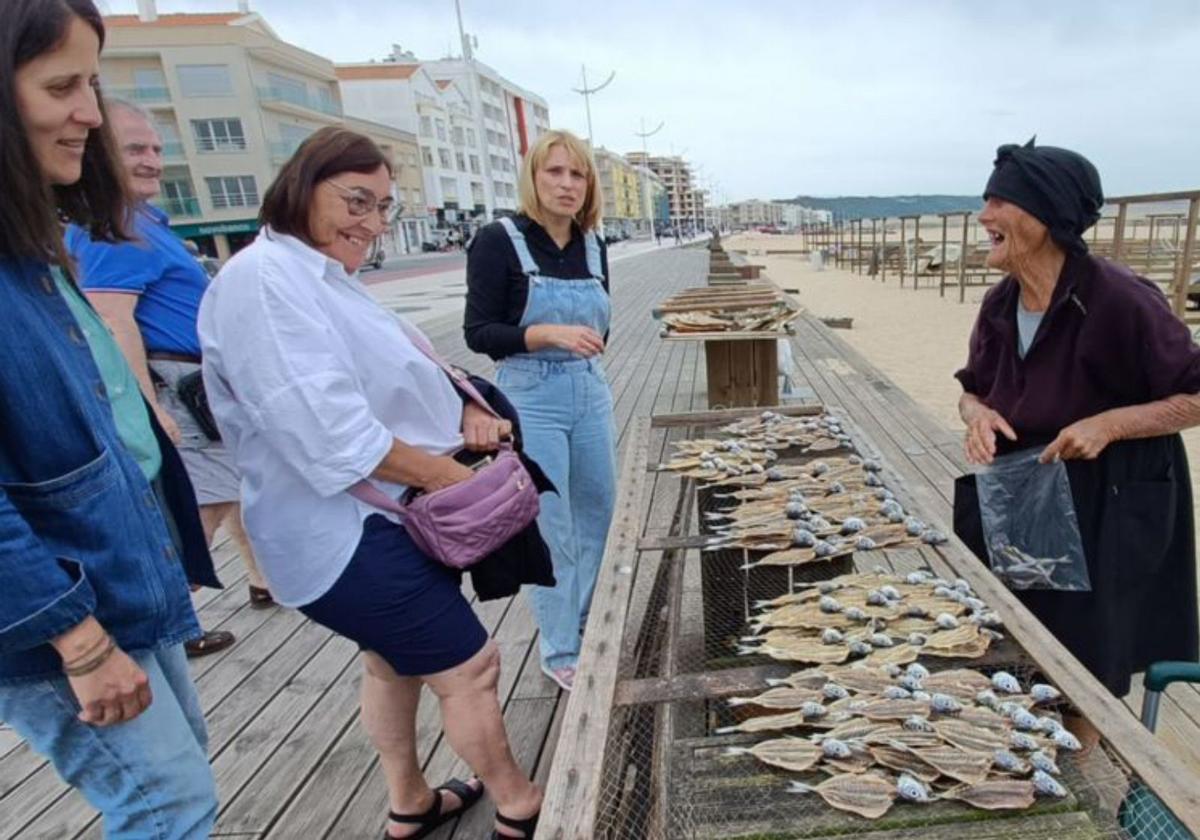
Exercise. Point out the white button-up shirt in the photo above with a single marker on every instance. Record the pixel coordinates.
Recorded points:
(310, 381)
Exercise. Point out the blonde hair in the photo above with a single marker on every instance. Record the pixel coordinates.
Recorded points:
(588, 217)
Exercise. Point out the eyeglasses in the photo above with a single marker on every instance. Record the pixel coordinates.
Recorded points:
(361, 201)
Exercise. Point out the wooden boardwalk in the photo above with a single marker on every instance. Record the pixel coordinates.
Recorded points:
(282, 704)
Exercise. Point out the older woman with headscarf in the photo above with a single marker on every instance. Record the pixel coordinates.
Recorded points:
(1082, 358)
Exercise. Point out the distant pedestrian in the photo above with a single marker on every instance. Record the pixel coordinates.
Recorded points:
(678, 235)
(658, 236)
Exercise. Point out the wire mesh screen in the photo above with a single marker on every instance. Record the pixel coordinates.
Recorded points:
(671, 768)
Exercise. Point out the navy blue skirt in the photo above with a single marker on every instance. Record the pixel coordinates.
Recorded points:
(401, 604)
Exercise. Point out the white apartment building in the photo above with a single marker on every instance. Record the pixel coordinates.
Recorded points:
(232, 102)
(684, 201)
(744, 214)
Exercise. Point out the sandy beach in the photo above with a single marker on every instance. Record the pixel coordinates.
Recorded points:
(915, 337)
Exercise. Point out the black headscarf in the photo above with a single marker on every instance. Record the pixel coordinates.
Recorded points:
(1058, 187)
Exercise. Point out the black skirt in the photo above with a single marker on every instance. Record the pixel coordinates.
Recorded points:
(1134, 505)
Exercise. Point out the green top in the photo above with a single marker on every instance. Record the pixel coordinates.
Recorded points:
(129, 409)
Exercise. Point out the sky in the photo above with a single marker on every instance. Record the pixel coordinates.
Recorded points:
(772, 99)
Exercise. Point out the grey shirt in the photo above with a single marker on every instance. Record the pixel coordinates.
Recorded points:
(1027, 327)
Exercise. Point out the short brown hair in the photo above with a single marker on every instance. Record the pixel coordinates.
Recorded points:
(588, 217)
(326, 153)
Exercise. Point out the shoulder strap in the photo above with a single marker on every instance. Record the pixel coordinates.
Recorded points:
(522, 248)
(591, 244)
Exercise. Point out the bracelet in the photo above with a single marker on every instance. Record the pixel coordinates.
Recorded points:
(93, 664)
(88, 652)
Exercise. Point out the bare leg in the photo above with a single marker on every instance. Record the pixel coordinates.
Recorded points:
(475, 729)
(230, 513)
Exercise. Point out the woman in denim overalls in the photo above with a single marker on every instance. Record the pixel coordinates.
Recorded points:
(548, 351)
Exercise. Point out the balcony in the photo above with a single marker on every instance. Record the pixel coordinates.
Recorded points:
(271, 95)
(172, 152)
(179, 208)
(141, 94)
(282, 150)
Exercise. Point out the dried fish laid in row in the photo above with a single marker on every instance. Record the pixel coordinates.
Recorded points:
(757, 318)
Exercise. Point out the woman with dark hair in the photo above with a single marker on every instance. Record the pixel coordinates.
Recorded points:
(95, 607)
(1079, 360)
(318, 389)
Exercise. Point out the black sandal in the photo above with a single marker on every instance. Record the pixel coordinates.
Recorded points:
(435, 817)
(526, 826)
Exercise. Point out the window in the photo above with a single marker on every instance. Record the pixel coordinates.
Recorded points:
(460, 161)
(444, 158)
(471, 138)
(457, 134)
(325, 100)
(426, 156)
(474, 164)
(232, 191)
(149, 82)
(219, 135)
(288, 89)
(204, 80)
(476, 193)
(426, 127)
(449, 189)
(441, 129)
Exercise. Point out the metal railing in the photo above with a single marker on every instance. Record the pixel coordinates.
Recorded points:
(282, 150)
(179, 208)
(141, 94)
(300, 98)
(173, 150)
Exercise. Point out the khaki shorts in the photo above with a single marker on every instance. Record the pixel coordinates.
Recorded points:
(209, 464)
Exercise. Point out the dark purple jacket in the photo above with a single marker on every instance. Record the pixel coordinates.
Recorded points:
(1108, 339)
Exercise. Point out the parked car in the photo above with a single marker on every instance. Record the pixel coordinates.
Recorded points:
(375, 258)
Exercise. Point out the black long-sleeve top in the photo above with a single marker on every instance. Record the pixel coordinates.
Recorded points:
(497, 289)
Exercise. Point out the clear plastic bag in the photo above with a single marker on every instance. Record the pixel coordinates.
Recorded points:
(1029, 524)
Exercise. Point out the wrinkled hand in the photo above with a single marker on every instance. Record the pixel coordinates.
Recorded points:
(1084, 439)
(982, 425)
(444, 472)
(482, 432)
(168, 425)
(582, 341)
(115, 692)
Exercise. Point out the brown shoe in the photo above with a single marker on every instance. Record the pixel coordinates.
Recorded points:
(260, 598)
(211, 642)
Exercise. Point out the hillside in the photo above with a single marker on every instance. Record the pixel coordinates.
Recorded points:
(871, 206)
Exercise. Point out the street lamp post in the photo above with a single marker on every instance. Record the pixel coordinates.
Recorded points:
(645, 169)
(587, 97)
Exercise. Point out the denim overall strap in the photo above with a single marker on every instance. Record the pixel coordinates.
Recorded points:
(592, 244)
(528, 266)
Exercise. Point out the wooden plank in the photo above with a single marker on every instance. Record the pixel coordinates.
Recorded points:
(722, 416)
(571, 795)
(1186, 258)
(709, 684)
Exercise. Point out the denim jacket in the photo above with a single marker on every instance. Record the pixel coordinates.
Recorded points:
(81, 530)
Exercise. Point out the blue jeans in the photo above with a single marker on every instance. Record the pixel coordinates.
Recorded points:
(566, 418)
(149, 777)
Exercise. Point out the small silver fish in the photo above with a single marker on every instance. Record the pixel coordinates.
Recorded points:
(865, 544)
(795, 510)
(871, 465)
(1042, 693)
(860, 647)
(833, 748)
(835, 488)
(932, 536)
(914, 527)
(756, 467)
(818, 469)
(917, 723)
(819, 523)
(1005, 760)
(872, 480)
(856, 614)
(945, 704)
(1022, 741)
(916, 639)
(1006, 682)
(880, 640)
(942, 591)
(774, 474)
(916, 611)
(917, 670)
(924, 696)
(875, 598)
(1047, 785)
(1024, 720)
(825, 587)
(1043, 762)
(823, 548)
(890, 592)
(852, 525)
(916, 578)
(910, 681)
(914, 790)
(962, 586)
(833, 691)
(812, 709)
(987, 698)
(1048, 725)
(829, 604)
(803, 538)
(1007, 707)
(945, 621)
(891, 669)
(883, 494)
(832, 636)
(1066, 740)
(975, 604)
(895, 692)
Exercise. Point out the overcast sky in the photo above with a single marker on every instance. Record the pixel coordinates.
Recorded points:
(774, 98)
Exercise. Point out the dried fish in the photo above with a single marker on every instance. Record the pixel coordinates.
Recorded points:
(895, 692)
(904, 760)
(1023, 719)
(1047, 785)
(910, 681)
(833, 691)
(945, 704)
(918, 723)
(1066, 740)
(856, 614)
(885, 709)
(1009, 763)
(1048, 725)
(834, 748)
(864, 794)
(1042, 761)
(969, 767)
(782, 697)
(1042, 693)
(766, 723)
(797, 754)
(995, 794)
(945, 621)
(1006, 682)
(912, 789)
(832, 636)
(917, 670)
(967, 736)
(987, 698)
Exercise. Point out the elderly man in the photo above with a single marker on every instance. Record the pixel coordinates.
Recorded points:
(149, 294)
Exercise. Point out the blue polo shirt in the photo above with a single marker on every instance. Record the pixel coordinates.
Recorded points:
(157, 267)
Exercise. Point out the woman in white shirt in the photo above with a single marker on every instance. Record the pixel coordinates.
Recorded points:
(316, 387)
